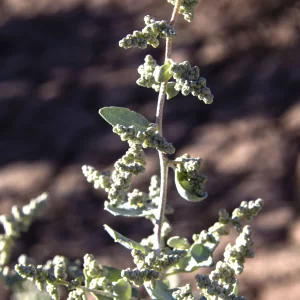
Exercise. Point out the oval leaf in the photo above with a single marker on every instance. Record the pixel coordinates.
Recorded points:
(184, 189)
(162, 73)
(199, 252)
(127, 211)
(115, 115)
(171, 91)
(124, 241)
(122, 289)
(189, 264)
(178, 242)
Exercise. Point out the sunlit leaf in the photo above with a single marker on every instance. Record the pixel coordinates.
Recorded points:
(126, 211)
(122, 289)
(199, 252)
(115, 115)
(124, 241)
(162, 73)
(171, 91)
(178, 242)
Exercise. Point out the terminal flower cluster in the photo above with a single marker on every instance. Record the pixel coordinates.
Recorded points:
(187, 8)
(221, 281)
(149, 35)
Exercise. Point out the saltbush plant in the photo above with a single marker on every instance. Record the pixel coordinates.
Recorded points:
(160, 255)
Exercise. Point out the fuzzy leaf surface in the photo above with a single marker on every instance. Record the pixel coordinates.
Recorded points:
(162, 73)
(124, 241)
(122, 289)
(115, 115)
(126, 211)
(171, 91)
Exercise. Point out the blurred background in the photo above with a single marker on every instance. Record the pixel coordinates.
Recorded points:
(60, 62)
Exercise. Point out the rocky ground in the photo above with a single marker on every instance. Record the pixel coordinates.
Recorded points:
(60, 63)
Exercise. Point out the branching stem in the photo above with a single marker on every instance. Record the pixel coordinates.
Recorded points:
(163, 159)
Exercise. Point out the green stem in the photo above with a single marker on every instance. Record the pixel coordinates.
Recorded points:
(163, 159)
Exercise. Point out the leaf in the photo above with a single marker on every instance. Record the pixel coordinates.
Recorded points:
(160, 291)
(171, 91)
(178, 242)
(122, 289)
(162, 73)
(115, 115)
(184, 189)
(112, 273)
(189, 264)
(236, 288)
(124, 241)
(126, 211)
(199, 252)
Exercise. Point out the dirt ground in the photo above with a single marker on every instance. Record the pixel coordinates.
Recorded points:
(60, 62)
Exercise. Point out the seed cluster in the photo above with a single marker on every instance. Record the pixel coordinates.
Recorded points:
(187, 8)
(148, 138)
(184, 293)
(149, 35)
(220, 283)
(146, 71)
(132, 163)
(189, 170)
(188, 81)
(99, 179)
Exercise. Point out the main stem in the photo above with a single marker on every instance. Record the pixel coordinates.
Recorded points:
(163, 159)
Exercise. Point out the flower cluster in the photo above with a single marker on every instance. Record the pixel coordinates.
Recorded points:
(186, 8)
(158, 262)
(137, 198)
(189, 170)
(149, 35)
(45, 277)
(211, 237)
(221, 281)
(139, 277)
(184, 293)
(99, 179)
(188, 81)
(148, 138)
(132, 163)
(16, 223)
(146, 71)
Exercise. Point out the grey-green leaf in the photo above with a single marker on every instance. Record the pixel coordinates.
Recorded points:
(236, 288)
(184, 189)
(199, 252)
(162, 73)
(126, 211)
(189, 264)
(159, 291)
(178, 242)
(115, 115)
(122, 289)
(171, 91)
(124, 241)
